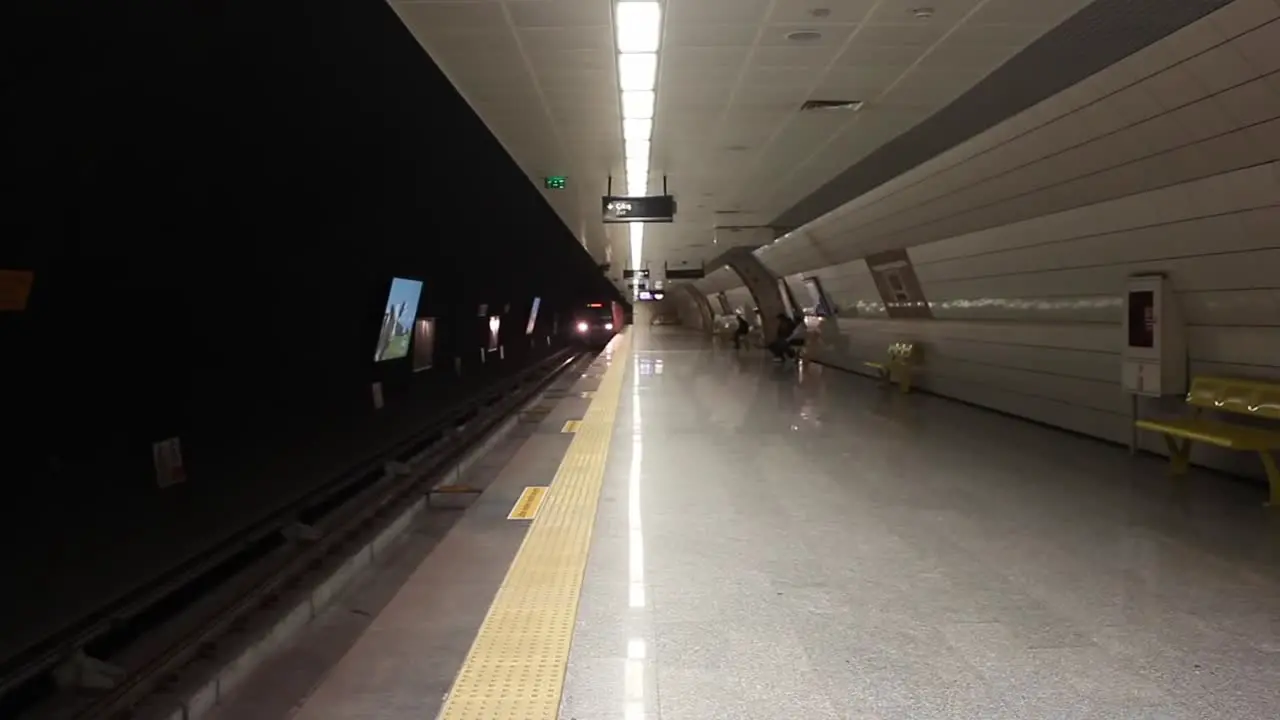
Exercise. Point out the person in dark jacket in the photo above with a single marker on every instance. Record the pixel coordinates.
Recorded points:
(780, 347)
(740, 332)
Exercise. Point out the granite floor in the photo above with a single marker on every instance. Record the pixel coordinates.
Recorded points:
(795, 543)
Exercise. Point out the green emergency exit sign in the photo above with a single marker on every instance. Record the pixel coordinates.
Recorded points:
(555, 182)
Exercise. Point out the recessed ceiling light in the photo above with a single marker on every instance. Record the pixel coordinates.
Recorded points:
(922, 12)
(804, 35)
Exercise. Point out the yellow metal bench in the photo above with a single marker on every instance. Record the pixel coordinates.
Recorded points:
(898, 367)
(1249, 398)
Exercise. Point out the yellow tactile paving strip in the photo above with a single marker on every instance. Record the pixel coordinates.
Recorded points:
(515, 669)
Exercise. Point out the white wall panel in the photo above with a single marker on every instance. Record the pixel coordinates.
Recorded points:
(1022, 237)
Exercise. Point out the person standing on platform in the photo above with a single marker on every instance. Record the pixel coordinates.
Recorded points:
(740, 333)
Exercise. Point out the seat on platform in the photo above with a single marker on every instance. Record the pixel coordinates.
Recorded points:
(1249, 398)
(903, 357)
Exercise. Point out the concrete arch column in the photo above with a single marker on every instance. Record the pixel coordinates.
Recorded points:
(760, 282)
(694, 310)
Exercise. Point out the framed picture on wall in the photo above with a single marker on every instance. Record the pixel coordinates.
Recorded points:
(424, 344)
(495, 329)
(398, 319)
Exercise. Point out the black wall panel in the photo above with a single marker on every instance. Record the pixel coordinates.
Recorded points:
(214, 198)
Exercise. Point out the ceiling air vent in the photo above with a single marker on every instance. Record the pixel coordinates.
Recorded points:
(830, 105)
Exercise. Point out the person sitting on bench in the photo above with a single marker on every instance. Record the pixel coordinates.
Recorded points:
(797, 337)
(781, 345)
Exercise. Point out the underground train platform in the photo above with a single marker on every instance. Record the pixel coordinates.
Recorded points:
(724, 537)
(586, 359)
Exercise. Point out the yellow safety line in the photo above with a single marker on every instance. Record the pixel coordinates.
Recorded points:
(526, 508)
(515, 669)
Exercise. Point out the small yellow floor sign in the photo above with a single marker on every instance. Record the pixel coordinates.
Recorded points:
(571, 426)
(527, 506)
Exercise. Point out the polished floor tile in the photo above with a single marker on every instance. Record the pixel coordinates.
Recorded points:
(795, 543)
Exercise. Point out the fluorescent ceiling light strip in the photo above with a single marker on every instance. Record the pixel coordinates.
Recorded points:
(638, 104)
(636, 149)
(638, 71)
(637, 129)
(639, 26)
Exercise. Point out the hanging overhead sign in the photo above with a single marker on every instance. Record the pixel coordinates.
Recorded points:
(651, 208)
(694, 273)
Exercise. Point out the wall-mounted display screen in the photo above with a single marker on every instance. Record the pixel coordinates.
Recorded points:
(495, 327)
(397, 319)
(424, 344)
(1142, 319)
(533, 316)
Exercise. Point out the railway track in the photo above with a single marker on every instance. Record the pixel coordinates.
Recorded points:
(107, 666)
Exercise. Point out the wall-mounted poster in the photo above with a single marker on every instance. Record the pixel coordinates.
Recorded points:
(424, 344)
(397, 319)
(495, 328)
(166, 455)
(533, 316)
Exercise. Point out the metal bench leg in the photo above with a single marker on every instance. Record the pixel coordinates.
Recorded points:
(1273, 477)
(1179, 454)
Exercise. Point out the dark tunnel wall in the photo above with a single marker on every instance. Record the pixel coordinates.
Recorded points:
(214, 198)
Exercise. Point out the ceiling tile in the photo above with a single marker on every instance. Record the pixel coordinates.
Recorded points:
(757, 76)
(567, 60)
(1016, 35)
(863, 55)
(801, 11)
(434, 18)
(968, 56)
(863, 83)
(674, 96)
(901, 35)
(1040, 12)
(576, 80)
(831, 35)
(537, 41)
(716, 12)
(814, 57)
(945, 13)
(561, 13)
(695, 59)
(680, 36)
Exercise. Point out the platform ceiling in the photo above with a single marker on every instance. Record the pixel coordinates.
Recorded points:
(729, 133)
